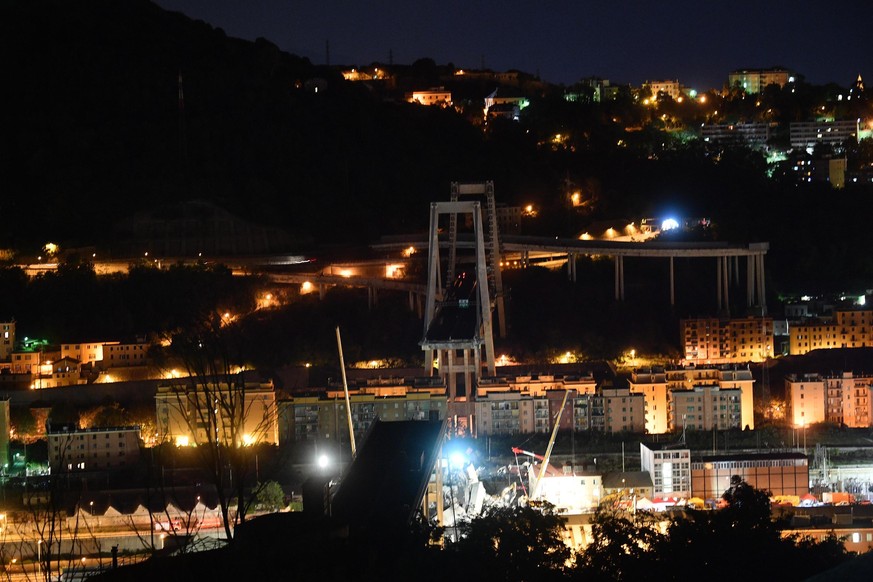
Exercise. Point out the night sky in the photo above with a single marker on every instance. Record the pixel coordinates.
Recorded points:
(697, 41)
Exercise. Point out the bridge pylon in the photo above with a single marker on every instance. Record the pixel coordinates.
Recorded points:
(458, 314)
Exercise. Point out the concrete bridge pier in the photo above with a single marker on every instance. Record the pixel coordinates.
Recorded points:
(619, 278)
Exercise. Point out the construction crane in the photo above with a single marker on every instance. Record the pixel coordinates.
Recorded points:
(535, 490)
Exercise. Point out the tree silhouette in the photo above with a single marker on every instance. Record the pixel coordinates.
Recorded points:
(512, 543)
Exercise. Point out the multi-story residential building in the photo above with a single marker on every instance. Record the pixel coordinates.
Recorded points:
(652, 384)
(843, 399)
(62, 372)
(94, 449)
(755, 135)
(740, 378)
(623, 411)
(847, 329)
(7, 340)
(723, 341)
(670, 393)
(323, 416)
(849, 400)
(805, 135)
(187, 413)
(806, 398)
(779, 473)
(610, 410)
(85, 352)
(669, 467)
(725, 377)
(706, 408)
(755, 80)
(125, 354)
(668, 87)
(33, 360)
(434, 96)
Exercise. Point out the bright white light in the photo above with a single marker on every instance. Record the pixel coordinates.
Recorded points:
(669, 224)
(862, 300)
(457, 459)
(323, 461)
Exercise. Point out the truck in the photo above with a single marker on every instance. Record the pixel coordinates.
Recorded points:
(837, 498)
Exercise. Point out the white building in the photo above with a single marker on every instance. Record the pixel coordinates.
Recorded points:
(435, 96)
(670, 468)
(805, 135)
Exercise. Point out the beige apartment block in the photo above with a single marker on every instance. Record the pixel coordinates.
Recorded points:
(187, 414)
(848, 329)
(805, 394)
(93, 449)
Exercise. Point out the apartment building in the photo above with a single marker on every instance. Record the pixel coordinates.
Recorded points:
(848, 329)
(93, 449)
(725, 377)
(85, 352)
(652, 384)
(755, 135)
(713, 340)
(323, 416)
(238, 414)
(435, 96)
(849, 400)
(706, 408)
(842, 399)
(805, 135)
(805, 395)
(668, 87)
(755, 80)
(125, 354)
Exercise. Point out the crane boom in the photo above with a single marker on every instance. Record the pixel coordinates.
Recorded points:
(536, 488)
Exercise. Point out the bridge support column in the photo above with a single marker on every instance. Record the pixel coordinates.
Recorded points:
(726, 279)
(762, 295)
(571, 266)
(322, 291)
(750, 280)
(619, 278)
(718, 283)
(672, 285)
(736, 270)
